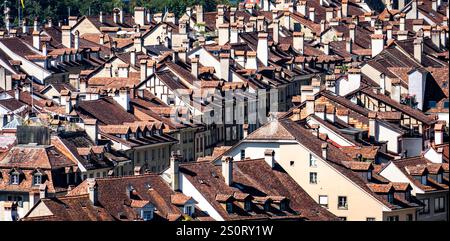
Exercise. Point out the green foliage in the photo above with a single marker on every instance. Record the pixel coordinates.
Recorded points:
(59, 9)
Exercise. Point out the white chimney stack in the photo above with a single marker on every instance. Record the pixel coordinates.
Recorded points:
(174, 171)
(377, 41)
(227, 169)
(225, 66)
(298, 42)
(92, 190)
(262, 49)
(269, 157)
(324, 147)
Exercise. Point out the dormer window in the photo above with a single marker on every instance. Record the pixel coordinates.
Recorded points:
(439, 178)
(188, 210)
(267, 206)
(147, 214)
(408, 195)
(247, 206)
(369, 175)
(423, 180)
(229, 207)
(390, 197)
(283, 205)
(15, 178)
(37, 179)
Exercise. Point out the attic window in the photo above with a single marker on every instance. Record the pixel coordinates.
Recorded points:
(229, 207)
(248, 206)
(147, 215)
(15, 178)
(188, 210)
(369, 175)
(390, 198)
(439, 178)
(37, 178)
(423, 180)
(446, 104)
(267, 206)
(408, 195)
(283, 205)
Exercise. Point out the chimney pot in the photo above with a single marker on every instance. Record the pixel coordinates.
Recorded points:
(227, 169)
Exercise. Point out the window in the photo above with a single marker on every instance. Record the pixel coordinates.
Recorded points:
(423, 180)
(446, 105)
(147, 215)
(390, 197)
(342, 218)
(431, 104)
(266, 206)
(439, 204)
(370, 219)
(312, 161)
(369, 175)
(283, 205)
(247, 206)
(323, 201)
(229, 207)
(393, 218)
(188, 210)
(37, 179)
(242, 154)
(15, 178)
(426, 206)
(342, 202)
(313, 177)
(291, 163)
(409, 217)
(439, 178)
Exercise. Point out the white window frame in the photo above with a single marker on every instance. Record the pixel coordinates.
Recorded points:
(325, 198)
(312, 160)
(339, 202)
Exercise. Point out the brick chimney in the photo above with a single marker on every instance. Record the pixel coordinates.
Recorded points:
(262, 49)
(227, 169)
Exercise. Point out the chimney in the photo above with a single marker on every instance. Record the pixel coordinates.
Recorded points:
(312, 14)
(436, 36)
(342, 114)
(377, 41)
(269, 157)
(287, 20)
(276, 31)
(66, 36)
(372, 126)
(234, 36)
(17, 93)
(36, 40)
(100, 17)
(418, 49)
(68, 105)
(326, 48)
(227, 169)
(143, 67)
(322, 25)
(182, 55)
(139, 16)
(262, 49)
(402, 35)
(35, 25)
(434, 5)
(24, 26)
(133, 57)
(116, 15)
(182, 27)
(348, 45)
(92, 190)
(72, 21)
(123, 99)
(199, 13)
(251, 62)
(301, 7)
(414, 10)
(76, 41)
(175, 171)
(124, 71)
(438, 134)
(402, 22)
(102, 39)
(194, 67)
(225, 66)
(91, 129)
(220, 19)
(401, 4)
(224, 34)
(383, 83)
(44, 49)
(137, 42)
(49, 22)
(352, 31)
(121, 16)
(298, 42)
(310, 105)
(329, 14)
(324, 147)
(344, 8)
(389, 32)
(42, 191)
